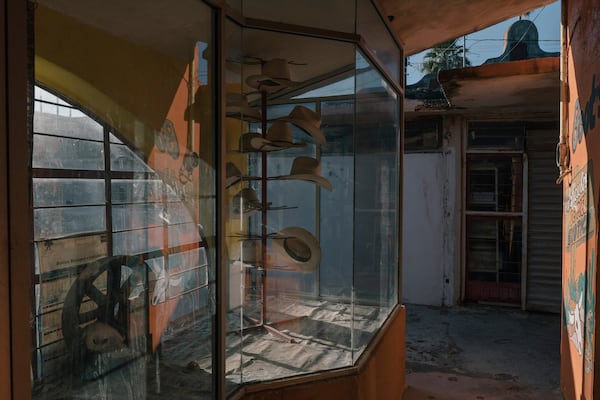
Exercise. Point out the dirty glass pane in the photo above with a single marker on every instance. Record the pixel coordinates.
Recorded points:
(62, 192)
(337, 207)
(127, 217)
(376, 146)
(58, 222)
(56, 117)
(280, 236)
(124, 297)
(123, 159)
(64, 153)
(132, 191)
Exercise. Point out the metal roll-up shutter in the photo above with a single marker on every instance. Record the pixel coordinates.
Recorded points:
(544, 223)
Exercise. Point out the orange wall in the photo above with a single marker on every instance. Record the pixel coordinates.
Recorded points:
(382, 376)
(581, 122)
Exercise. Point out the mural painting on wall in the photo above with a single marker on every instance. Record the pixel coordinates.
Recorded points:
(166, 142)
(579, 296)
(580, 227)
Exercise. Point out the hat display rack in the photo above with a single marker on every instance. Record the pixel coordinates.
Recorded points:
(297, 247)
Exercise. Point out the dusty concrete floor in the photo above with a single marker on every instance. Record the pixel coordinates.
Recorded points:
(481, 352)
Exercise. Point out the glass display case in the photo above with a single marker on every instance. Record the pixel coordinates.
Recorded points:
(215, 199)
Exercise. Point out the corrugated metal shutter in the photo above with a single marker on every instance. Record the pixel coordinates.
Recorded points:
(544, 223)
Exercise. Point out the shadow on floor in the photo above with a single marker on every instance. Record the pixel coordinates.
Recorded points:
(481, 352)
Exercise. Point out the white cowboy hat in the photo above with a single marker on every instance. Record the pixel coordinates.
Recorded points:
(245, 203)
(298, 248)
(307, 169)
(274, 76)
(237, 107)
(307, 120)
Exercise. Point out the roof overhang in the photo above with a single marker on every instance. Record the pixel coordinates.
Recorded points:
(421, 24)
(517, 89)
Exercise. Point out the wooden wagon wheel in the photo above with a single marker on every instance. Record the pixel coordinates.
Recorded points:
(105, 303)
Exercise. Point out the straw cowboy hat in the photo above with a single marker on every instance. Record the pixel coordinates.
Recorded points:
(278, 137)
(274, 76)
(280, 133)
(307, 169)
(245, 203)
(298, 248)
(237, 107)
(307, 120)
(252, 142)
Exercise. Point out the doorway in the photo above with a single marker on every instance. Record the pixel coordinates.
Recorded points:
(494, 217)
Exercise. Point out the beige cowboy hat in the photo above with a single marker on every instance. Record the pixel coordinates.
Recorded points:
(278, 137)
(245, 203)
(252, 142)
(237, 107)
(280, 134)
(298, 248)
(274, 76)
(307, 120)
(232, 174)
(307, 169)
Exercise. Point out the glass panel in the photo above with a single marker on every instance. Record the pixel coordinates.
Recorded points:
(56, 117)
(376, 144)
(124, 305)
(52, 223)
(62, 192)
(495, 183)
(379, 40)
(422, 135)
(128, 217)
(494, 257)
(137, 191)
(123, 159)
(61, 153)
(495, 135)
(337, 207)
(114, 139)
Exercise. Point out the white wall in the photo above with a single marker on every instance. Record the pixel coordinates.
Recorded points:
(431, 223)
(423, 221)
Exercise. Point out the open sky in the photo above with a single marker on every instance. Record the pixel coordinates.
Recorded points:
(489, 42)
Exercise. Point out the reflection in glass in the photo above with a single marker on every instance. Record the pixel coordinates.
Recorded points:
(124, 203)
(376, 147)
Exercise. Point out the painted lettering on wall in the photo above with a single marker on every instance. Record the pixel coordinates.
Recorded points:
(584, 119)
(579, 208)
